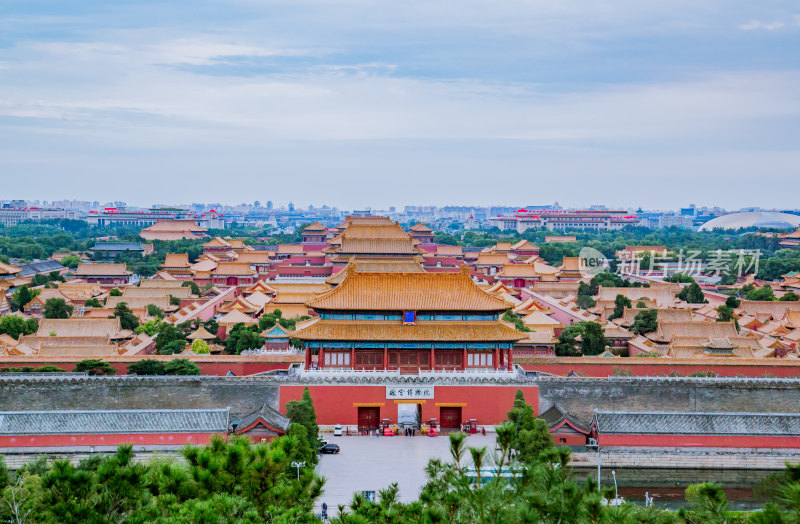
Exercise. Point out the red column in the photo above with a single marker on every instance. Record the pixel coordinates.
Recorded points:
(352, 358)
(432, 359)
(321, 358)
(385, 357)
(308, 358)
(464, 359)
(510, 363)
(494, 359)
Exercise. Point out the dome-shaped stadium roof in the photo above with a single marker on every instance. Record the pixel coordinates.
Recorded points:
(760, 219)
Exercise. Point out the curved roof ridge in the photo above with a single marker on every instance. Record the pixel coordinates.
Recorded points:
(408, 291)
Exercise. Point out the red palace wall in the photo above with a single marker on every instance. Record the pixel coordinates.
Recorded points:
(145, 439)
(642, 367)
(699, 441)
(338, 404)
(209, 365)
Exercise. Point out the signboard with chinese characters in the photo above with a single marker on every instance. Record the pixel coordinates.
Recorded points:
(409, 392)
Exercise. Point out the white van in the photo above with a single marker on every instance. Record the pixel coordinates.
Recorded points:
(337, 430)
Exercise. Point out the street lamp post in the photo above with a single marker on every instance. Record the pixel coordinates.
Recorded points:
(616, 493)
(298, 465)
(593, 443)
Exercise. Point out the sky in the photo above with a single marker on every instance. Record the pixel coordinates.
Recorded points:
(627, 103)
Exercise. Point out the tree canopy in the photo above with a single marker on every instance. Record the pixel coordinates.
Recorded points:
(692, 294)
(15, 326)
(95, 367)
(645, 322)
(57, 308)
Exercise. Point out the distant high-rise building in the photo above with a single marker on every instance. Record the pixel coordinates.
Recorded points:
(291, 207)
(269, 205)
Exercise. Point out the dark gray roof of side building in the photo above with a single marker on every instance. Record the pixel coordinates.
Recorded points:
(114, 421)
(39, 266)
(117, 246)
(698, 423)
(272, 417)
(556, 415)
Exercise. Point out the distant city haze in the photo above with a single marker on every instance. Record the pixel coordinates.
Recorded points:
(356, 104)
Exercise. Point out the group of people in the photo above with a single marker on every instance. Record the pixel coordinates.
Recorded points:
(409, 430)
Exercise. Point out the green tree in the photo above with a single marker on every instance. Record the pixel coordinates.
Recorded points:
(22, 296)
(70, 261)
(194, 287)
(127, 319)
(593, 340)
(724, 313)
(150, 327)
(95, 367)
(681, 278)
(645, 322)
(708, 502)
(620, 303)
(445, 239)
(530, 436)
(115, 293)
(567, 345)
(49, 369)
(243, 337)
(15, 326)
(510, 316)
(692, 294)
(169, 340)
(57, 308)
(302, 412)
(199, 347)
(93, 302)
(732, 302)
(791, 296)
(181, 366)
(155, 311)
(762, 293)
(4, 477)
(147, 367)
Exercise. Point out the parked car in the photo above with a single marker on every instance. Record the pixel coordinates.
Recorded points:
(329, 449)
(337, 430)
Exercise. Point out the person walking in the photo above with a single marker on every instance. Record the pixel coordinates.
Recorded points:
(324, 511)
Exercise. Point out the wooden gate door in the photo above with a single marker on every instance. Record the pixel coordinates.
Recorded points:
(450, 417)
(368, 418)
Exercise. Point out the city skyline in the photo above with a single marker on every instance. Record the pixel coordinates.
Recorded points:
(439, 103)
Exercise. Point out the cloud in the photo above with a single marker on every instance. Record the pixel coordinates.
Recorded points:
(754, 25)
(446, 93)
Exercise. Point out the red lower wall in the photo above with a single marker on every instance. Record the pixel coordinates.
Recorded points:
(145, 439)
(209, 365)
(642, 366)
(701, 441)
(334, 404)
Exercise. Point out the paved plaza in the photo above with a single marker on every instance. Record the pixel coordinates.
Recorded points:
(370, 463)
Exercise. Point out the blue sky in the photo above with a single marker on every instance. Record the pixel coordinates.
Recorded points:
(355, 103)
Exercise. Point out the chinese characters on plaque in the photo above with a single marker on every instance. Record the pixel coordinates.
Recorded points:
(409, 392)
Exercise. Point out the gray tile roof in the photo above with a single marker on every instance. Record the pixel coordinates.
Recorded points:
(117, 246)
(42, 266)
(116, 421)
(272, 417)
(662, 422)
(557, 414)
